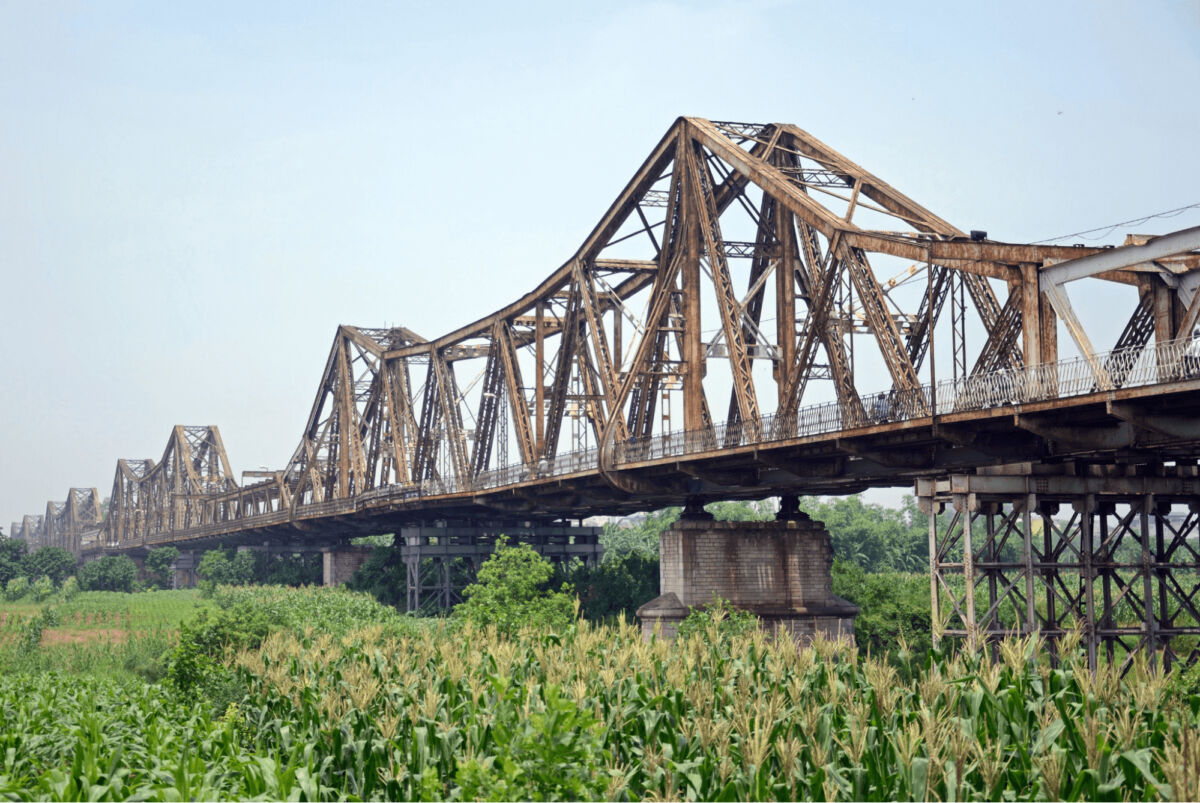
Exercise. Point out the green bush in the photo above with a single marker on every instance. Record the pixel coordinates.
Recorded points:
(617, 587)
(42, 588)
(303, 569)
(512, 590)
(50, 561)
(12, 553)
(894, 615)
(384, 576)
(194, 666)
(31, 633)
(70, 587)
(17, 587)
(158, 565)
(717, 621)
(218, 568)
(1185, 684)
(109, 573)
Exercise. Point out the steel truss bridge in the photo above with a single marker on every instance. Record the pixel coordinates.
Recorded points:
(754, 315)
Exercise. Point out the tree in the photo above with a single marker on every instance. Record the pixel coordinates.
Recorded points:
(243, 566)
(303, 569)
(872, 536)
(214, 567)
(383, 576)
(219, 569)
(50, 561)
(513, 590)
(12, 552)
(109, 573)
(159, 562)
(619, 585)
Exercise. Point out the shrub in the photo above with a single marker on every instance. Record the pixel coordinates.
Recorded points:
(12, 553)
(42, 588)
(70, 588)
(217, 568)
(512, 591)
(1185, 684)
(383, 576)
(894, 615)
(17, 587)
(109, 573)
(717, 621)
(194, 666)
(304, 569)
(31, 634)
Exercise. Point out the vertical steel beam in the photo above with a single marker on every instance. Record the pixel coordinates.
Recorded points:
(1147, 572)
(539, 391)
(1086, 508)
(788, 269)
(689, 286)
(935, 570)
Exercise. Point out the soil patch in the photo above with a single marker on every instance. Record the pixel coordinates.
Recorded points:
(52, 636)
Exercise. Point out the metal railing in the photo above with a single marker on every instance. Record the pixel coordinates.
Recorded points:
(1167, 362)
(1172, 361)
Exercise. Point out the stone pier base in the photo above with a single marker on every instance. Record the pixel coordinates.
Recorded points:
(777, 570)
(183, 570)
(340, 563)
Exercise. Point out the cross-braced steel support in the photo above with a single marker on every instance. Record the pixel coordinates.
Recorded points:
(1049, 549)
(441, 561)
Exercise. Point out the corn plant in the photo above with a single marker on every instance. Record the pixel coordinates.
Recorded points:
(347, 701)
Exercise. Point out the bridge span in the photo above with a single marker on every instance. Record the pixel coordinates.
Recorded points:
(755, 315)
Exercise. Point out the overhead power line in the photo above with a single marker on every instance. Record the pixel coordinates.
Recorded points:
(1106, 230)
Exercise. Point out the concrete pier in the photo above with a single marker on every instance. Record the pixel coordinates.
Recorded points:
(339, 564)
(777, 570)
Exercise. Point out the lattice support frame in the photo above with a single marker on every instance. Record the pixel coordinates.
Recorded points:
(441, 561)
(1048, 549)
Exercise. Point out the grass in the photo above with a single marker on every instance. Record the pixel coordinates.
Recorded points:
(145, 611)
(100, 633)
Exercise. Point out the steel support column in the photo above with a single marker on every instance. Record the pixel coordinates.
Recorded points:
(1051, 549)
(441, 561)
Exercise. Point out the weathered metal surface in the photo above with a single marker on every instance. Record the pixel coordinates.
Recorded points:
(1056, 549)
(600, 390)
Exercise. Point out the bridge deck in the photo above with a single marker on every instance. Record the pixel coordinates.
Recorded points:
(1154, 422)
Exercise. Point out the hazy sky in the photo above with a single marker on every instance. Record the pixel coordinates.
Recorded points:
(193, 196)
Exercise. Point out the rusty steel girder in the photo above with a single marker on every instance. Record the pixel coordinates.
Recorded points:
(749, 263)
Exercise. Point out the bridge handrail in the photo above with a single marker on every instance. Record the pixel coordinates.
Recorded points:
(1170, 361)
(1131, 367)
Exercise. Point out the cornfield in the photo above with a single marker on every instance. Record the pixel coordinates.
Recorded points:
(385, 710)
(603, 714)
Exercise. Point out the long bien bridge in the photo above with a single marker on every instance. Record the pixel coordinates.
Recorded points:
(755, 316)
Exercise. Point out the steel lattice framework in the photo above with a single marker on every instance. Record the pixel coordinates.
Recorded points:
(754, 314)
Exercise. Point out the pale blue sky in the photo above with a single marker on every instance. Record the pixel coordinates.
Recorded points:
(193, 196)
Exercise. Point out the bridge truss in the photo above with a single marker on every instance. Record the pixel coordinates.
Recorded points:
(753, 315)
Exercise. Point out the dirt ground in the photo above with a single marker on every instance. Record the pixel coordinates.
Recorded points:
(52, 636)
